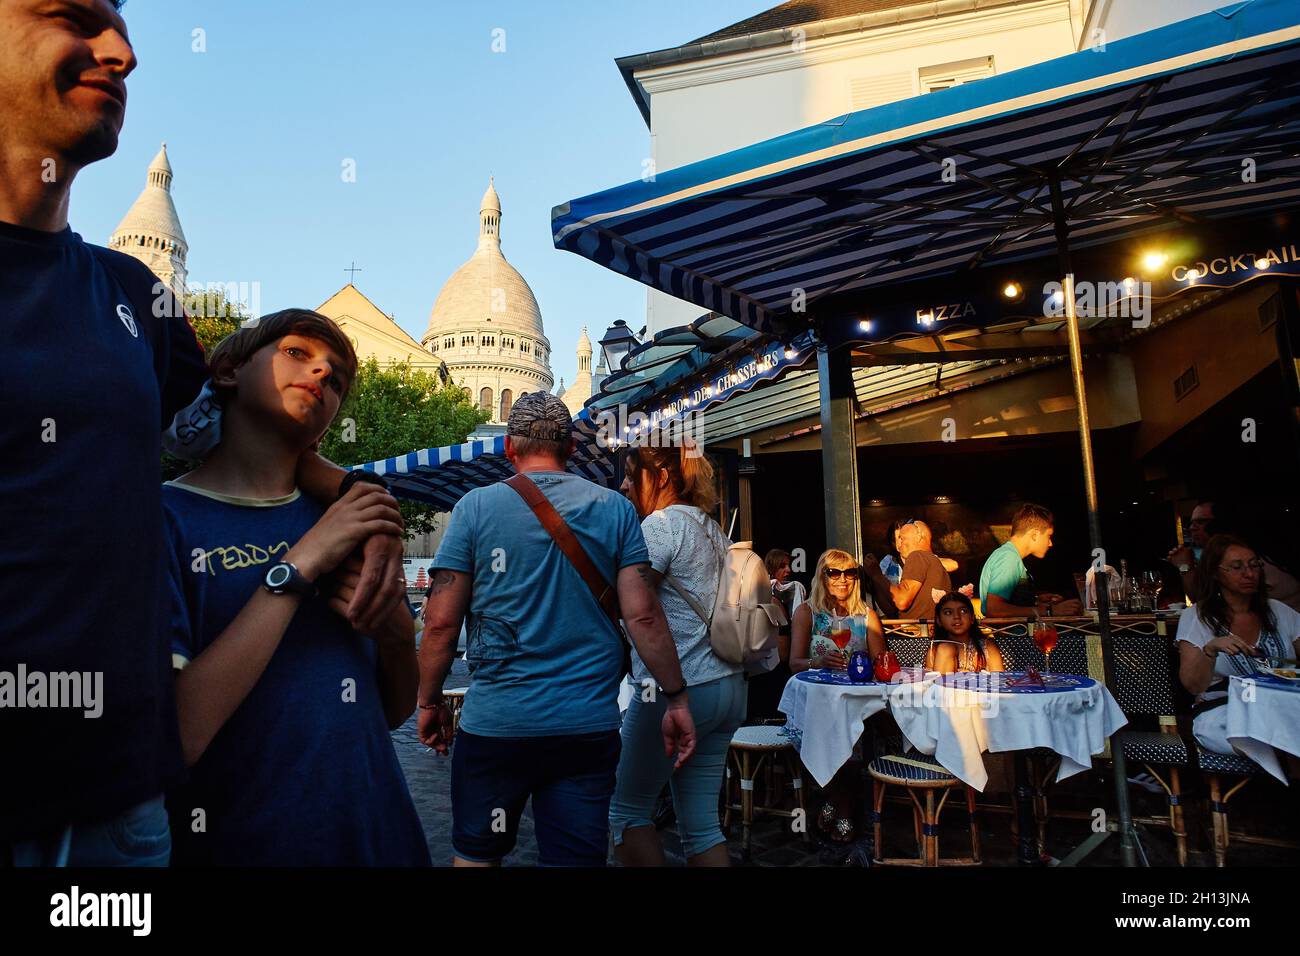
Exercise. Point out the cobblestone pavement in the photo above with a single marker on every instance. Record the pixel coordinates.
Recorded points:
(774, 843)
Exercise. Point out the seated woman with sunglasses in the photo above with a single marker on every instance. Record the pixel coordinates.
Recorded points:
(957, 644)
(1234, 629)
(836, 592)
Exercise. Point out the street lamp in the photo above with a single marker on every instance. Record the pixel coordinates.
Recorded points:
(619, 340)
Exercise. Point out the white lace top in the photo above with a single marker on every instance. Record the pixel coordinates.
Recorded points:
(685, 542)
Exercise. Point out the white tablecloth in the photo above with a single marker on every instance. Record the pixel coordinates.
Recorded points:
(1263, 715)
(958, 725)
(829, 718)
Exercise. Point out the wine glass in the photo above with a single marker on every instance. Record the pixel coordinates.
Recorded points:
(1153, 582)
(1045, 638)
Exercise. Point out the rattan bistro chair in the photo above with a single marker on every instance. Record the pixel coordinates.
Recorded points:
(919, 773)
(1145, 686)
(455, 700)
(916, 773)
(1215, 766)
(753, 749)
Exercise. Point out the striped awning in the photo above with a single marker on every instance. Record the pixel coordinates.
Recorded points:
(1191, 122)
(442, 476)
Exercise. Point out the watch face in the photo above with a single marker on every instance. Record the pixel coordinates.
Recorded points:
(278, 576)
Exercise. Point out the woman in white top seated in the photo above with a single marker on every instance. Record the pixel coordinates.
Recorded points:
(1235, 630)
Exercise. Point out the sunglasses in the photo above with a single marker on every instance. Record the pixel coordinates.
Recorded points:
(835, 573)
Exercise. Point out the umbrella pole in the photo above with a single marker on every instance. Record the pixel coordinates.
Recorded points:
(1126, 833)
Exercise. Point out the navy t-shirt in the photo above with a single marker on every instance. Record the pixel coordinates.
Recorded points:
(304, 772)
(88, 375)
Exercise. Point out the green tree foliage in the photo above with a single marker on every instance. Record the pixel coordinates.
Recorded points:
(212, 316)
(394, 409)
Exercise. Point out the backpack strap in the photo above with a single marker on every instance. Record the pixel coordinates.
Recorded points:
(676, 585)
(696, 606)
(604, 593)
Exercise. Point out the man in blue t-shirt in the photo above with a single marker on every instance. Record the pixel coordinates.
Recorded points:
(284, 709)
(1005, 586)
(541, 716)
(92, 370)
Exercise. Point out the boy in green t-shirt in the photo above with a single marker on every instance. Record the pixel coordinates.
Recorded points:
(1004, 572)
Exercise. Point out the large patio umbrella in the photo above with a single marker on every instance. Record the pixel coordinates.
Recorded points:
(1191, 122)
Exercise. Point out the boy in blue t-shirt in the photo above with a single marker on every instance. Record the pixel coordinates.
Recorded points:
(284, 710)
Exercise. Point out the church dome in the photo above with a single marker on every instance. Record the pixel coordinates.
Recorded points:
(486, 327)
(486, 288)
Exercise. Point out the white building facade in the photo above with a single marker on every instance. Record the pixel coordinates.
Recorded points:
(789, 68)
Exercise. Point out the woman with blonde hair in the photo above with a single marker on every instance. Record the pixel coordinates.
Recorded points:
(836, 593)
(673, 491)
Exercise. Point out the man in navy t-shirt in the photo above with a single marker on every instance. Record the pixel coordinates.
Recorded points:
(89, 374)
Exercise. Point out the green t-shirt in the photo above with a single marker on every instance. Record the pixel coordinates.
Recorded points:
(1003, 573)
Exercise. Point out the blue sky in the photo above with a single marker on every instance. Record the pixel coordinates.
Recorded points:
(258, 127)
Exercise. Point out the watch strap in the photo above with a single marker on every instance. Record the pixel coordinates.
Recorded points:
(352, 477)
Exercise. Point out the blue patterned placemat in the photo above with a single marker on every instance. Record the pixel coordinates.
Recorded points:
(829, 677)
(1272, 680)
(1002, 683)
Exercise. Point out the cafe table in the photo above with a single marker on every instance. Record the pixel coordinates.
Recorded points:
(1264, 713)
(959, 717)
(824, 712)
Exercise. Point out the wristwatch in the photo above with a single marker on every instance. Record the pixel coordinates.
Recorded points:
(352, 477)
(284, 578)
(674, 693)
(1184, 568)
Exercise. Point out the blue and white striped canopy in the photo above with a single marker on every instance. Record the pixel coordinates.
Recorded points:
(442, 476)
(1194, 121)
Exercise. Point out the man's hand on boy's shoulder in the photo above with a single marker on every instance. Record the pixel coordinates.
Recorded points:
(395, 624)
(381, 580)
(365, 511)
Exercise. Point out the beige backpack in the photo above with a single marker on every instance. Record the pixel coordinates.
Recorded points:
(745, 620)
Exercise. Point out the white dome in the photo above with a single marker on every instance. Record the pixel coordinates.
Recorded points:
(485, 324)
(487, 288)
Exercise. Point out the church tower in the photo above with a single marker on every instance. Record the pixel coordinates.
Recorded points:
(576, 395)
(151, 230)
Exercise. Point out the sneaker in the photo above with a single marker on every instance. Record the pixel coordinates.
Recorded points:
(1147, 783)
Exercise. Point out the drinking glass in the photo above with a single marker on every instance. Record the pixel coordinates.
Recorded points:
(1045, 638)
(1153, 582)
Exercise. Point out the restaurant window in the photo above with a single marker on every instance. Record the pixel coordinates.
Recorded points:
(507, 403)
(1185, 383)
(947, 75)
(485, 399)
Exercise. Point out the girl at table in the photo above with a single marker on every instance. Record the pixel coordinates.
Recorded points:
(1234, 630)
(836, 595)
(957, 644)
